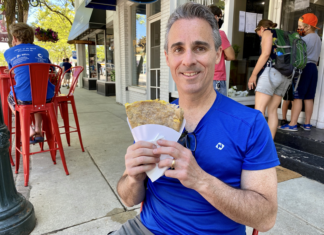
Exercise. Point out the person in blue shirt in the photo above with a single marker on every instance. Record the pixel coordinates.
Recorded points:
(22, 52)
(223, 177)
(67, 65)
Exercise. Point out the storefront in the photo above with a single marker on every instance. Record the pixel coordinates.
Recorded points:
(247, 45)
(136, 54)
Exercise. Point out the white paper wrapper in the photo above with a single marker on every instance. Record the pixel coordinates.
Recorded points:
(153, 133)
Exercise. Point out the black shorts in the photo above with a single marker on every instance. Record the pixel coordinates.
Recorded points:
(289, 95)
(307, 84)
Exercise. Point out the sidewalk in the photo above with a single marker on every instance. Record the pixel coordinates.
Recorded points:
(86, 201)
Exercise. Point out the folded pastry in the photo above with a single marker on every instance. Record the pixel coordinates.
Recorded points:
(154, 112)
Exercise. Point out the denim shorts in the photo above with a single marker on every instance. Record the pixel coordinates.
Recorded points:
(278, 85)
(221, 88)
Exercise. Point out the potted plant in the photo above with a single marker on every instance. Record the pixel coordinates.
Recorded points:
(46, 35)
(112, 75)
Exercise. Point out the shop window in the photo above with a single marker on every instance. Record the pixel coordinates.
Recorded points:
(290, 15)
(110, 62)
(138, 45)
(246, 46)
(92, 59)
(100, 49)
(155, 7)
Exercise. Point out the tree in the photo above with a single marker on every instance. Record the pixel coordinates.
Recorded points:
(2, 59)
(48, 19)
(59, 7)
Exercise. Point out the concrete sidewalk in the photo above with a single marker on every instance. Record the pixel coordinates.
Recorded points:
(86, 201)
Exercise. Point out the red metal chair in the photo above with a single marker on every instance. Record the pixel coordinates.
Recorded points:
(255, 232)
(38, 73)
(62, 102)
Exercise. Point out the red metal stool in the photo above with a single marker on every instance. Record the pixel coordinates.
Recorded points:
(38, 73)
(62, 102)
(7, 115)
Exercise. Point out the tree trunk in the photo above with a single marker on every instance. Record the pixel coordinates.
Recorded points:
(20, 11)
(10, 6)
(25, 4)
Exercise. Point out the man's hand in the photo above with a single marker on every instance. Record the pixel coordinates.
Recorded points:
(140, 158)
(186, 168)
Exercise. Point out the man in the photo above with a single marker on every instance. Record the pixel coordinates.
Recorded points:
(228, 180)
(227, 54)
(23, 52)
(67, 76)
(61, 64)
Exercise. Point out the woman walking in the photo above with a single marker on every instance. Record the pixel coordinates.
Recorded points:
(272, 85)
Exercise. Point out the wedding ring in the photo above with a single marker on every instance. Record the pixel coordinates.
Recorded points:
(172, 165)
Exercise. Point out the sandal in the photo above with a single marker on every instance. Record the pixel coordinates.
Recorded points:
(32, 140)
(288, 128)
(38, 138)
(306, 127)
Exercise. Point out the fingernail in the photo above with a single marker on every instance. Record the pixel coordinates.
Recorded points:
(154, 151)
(154, 146)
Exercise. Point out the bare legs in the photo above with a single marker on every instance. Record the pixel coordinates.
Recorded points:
(298, 105)
(284, 109)
(37, 130)
(263, 101)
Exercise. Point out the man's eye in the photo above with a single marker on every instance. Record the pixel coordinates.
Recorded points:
(200, 49)
(177, 50)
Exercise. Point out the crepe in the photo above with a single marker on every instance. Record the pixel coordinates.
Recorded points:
(154, 112)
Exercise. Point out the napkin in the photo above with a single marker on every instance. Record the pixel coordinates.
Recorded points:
(152, 133)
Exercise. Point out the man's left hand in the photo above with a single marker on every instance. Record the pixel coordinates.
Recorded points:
(186, 169)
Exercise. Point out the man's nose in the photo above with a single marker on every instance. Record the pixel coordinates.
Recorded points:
(189, 58)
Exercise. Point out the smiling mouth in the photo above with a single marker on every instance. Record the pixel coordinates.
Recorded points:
(190, 74)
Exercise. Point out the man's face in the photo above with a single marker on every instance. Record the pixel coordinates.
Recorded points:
(191, 55)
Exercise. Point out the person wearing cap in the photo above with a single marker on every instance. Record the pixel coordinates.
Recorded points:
(307, 84)
(228, 54)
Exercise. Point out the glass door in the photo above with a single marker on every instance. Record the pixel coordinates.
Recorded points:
(155, 59)
(101, 57)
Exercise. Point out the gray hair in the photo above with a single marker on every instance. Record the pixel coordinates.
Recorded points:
(189, 11)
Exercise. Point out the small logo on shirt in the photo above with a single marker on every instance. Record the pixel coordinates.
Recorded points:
(40, 55)
(220, 146)
(18, 56)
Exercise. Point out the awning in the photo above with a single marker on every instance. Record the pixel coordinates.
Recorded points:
(109, 5)
(86, 19)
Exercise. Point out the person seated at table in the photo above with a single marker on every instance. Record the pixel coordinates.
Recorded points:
(22, 52)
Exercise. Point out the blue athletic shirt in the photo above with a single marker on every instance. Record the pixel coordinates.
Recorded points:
(22, 54)
(230, 138)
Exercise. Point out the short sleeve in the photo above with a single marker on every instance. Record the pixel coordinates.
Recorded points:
(225, 42)
(7, 59)
(260, 152)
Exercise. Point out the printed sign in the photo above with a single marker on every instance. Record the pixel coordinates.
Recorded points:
(74, 55)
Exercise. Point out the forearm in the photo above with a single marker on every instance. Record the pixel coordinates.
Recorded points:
(261, 62)
(130, 191)
(243, 206)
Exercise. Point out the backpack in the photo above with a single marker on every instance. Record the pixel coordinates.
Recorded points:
(291, 56)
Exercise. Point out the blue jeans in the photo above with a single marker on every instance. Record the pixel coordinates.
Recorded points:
(221, 88)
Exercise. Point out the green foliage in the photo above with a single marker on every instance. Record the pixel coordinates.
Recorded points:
(44, 18)
(112, 75)
(2, 59)
(100, 53)
(141, 18)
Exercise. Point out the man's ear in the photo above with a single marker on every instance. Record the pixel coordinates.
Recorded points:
(166, 57)
(219, 54)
